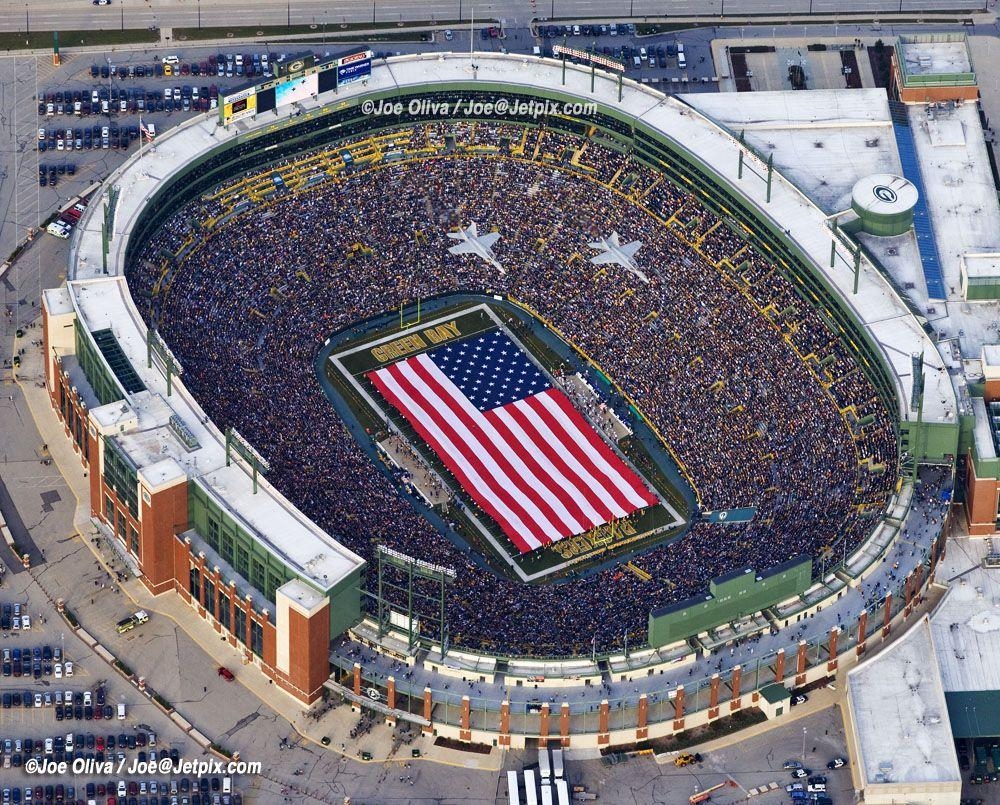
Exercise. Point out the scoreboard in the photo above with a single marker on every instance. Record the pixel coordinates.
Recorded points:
(238, 105)
(298, 80)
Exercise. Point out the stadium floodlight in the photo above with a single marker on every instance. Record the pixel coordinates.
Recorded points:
(155, 343)
(243, 448)
(433, 571)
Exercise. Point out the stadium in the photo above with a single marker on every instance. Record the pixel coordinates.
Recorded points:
(229, 353)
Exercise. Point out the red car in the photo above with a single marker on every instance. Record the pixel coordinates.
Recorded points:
(226, 674)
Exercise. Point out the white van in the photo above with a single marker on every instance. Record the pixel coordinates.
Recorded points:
(121, 711)
(681, 58)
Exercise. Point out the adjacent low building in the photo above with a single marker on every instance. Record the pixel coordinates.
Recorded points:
(902, 739)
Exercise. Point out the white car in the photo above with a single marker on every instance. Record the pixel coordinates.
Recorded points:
(57, 670)
(41, 134)
(38, 700)
(87, 699)
(68, 697)
(25, 622)
(170, 60)
(68, 668)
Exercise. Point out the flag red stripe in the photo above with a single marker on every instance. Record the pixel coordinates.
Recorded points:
(617, 504)
(545, 462)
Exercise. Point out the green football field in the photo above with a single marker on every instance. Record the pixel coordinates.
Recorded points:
(397, 339)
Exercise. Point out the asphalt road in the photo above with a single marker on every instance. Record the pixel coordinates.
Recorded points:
(82, 14)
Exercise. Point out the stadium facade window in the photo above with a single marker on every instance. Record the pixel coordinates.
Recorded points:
(257, 574)
(122, 524)
(240, 624)
(257, 638)
(133, 541)
(242, 561)
(226, 546)
(223, 615)
(274, 581)
(210, 597)
(109, 510)
(213, 533)
(194, 586)
(121, 475)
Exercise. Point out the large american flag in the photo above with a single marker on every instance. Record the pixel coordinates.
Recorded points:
(516, 444)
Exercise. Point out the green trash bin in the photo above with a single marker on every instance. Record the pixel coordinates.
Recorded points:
(414, 753)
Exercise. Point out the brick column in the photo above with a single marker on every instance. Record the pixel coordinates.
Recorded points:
(779, 666)
(504, 723)
(862, 628)
(465, 733)
(908, 600)
(603, 736)
(543, 727)
(564, 723)
(428, 709)
(800, 664)
(831, 662)
(642, 719)
(918, 583)
(357, 679)
(887, 615)
(679, 709)
(390, 700)
(734, 684)
(713, 697)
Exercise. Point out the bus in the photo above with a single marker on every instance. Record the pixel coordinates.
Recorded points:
(547, 794)
(513, 789)
(530, 792)
(544, 767)
(562, 790)
(557, 764)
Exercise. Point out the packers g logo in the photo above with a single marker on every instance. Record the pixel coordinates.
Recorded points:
(883, 193)
(298, 66)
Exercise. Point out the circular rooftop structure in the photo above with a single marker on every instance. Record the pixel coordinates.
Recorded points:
(884, 203)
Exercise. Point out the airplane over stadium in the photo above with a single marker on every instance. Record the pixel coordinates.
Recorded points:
(614, 251)
(471, 242)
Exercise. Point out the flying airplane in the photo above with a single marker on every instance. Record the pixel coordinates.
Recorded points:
(614, 251)
(471, 242)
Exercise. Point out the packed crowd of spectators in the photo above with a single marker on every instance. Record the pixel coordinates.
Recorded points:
(729, 363)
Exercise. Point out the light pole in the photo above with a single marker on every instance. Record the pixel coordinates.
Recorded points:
(123, 14)
(109, 90)
(199, 14)
(373, 12)
(27, 22)
(803, 746)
